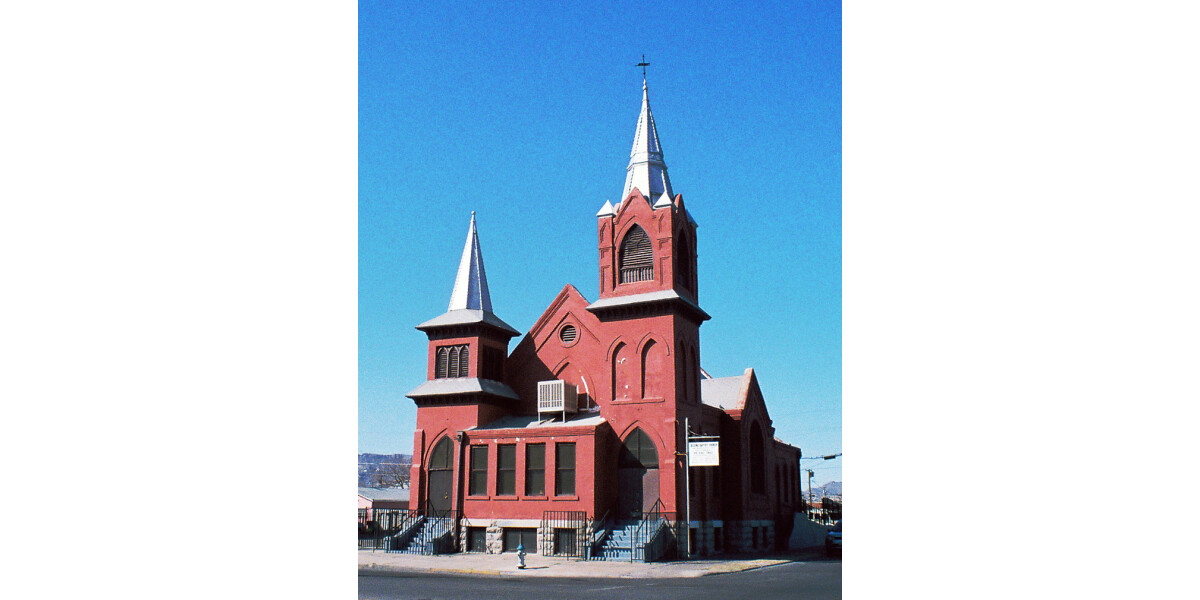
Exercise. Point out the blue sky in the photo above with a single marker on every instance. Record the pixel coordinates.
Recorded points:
(525, 114)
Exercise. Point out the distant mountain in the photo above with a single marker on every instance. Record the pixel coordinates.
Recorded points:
(831, 490)
(383, 470)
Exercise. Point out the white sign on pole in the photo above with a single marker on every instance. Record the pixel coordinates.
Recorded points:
(703, 454)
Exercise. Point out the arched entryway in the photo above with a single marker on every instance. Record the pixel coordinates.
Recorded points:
(637, 476)
(441, 475)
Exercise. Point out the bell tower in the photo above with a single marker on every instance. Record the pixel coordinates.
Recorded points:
(647, 242)
(468, 344)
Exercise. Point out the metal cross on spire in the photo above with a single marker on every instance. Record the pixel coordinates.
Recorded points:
(643, 65)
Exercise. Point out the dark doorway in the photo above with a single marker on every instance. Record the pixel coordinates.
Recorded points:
(441, 476)
(637, 476)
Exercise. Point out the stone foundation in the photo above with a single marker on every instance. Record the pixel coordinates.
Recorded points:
(749, 536)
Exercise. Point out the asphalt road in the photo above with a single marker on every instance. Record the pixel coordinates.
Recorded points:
(816, 580)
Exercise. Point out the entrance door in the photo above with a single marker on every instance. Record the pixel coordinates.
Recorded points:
(637, 476)
(441, 476)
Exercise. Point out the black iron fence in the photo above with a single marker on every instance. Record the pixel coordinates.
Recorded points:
(567, 532)
(656, 536)
(378, 527)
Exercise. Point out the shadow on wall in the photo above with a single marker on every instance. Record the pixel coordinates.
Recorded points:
(806, 534)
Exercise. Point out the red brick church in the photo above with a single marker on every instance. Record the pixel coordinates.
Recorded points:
(576, 438)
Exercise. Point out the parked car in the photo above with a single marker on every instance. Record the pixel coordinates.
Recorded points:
(833, 540)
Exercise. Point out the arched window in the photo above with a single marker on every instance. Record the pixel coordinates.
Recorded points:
(638, 451)
(654, 367)
(623, 367)
(757, 468)
(637, 257)
(443, 362)
(452, 361)
(464, 361)
(683, 264)
(440, 458)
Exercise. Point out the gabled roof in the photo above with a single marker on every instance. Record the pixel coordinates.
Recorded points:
(734, 395)
(725, 393)
(384, 493)
(646, 170)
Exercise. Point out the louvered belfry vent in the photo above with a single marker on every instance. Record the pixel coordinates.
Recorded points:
(452, 361)
(637, 257)
(567, 334)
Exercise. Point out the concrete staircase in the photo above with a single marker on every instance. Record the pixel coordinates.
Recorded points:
(428, 537)
(617, 545)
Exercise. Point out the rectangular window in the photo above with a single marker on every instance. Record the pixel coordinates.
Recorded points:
(535, 469)
(476, 539)
(564, 469)
(515, 537)
(564, 542)
(506, 470)
(478, 483)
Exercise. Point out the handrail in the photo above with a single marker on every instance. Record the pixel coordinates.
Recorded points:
(599, 532)
(600, 528)
(653, 516)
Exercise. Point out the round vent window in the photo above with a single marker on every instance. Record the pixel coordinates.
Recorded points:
(567, 334)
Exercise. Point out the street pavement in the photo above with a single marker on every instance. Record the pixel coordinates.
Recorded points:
(505, 565)
(811, 577)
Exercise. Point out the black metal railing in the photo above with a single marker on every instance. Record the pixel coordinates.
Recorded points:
(599, 528)
(654, 537)
(568, 531)
(439, 531)
(377, 527)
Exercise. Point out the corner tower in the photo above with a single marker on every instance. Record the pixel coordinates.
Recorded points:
(649, 304)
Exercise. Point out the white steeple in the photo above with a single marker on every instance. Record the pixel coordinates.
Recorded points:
(470, 287)
(647, 171)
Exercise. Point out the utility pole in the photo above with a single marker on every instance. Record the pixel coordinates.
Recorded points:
(810, 506)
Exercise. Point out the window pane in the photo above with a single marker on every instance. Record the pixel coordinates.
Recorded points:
(478, 481)
(564, 465)
(566, 483)
(506, 475)
(535, 469)
(565, 454)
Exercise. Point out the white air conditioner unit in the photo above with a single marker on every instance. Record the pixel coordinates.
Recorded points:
(557, 396)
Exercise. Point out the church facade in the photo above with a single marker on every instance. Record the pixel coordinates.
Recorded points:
(586, 415)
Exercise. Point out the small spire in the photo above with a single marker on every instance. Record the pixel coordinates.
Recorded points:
(470, 287)
(606, 210)
(646, 170)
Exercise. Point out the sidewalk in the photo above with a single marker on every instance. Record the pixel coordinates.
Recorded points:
(505, 565)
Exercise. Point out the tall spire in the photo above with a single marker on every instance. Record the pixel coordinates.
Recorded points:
(470, 287)
(647, 171)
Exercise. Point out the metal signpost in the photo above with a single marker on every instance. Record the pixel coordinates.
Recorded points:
(702, 451)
